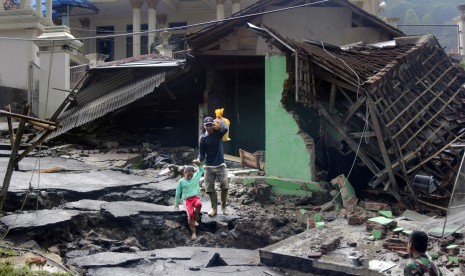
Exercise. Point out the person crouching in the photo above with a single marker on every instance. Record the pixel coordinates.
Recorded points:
(188, 190)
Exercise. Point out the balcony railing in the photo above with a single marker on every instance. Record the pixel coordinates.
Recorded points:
(76, 72)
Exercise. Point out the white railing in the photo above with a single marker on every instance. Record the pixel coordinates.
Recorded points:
(75, 73)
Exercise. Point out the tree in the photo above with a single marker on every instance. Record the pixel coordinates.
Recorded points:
(411, 17)
(427, 19)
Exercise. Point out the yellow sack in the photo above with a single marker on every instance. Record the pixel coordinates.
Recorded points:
(219, 116)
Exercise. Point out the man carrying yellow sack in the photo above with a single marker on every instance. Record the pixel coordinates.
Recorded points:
(211, 149)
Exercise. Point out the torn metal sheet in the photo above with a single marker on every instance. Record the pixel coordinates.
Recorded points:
(122, 96)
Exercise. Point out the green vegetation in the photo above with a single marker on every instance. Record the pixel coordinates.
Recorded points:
(422, 12)
(8, 269)
(5, 252)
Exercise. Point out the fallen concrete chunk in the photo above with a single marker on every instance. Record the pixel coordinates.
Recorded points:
(376, 206)
(330, 245)
(314, 255)
(347, 191)
(204, 258)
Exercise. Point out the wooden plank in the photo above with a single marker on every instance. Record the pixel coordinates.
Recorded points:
(10, 131)
(332, 98)
(433, 117)
(353, 109)
(362, 134)
(416, 99)
(327, 77)
(12, 161)
(382, 146)
(436, 153)
(361, 154)
(28, 118)
(33, 146)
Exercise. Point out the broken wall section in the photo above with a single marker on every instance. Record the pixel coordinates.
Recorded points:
(288, 155)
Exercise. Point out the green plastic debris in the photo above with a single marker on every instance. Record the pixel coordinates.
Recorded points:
(381, 220)
(385, 213)
(376, 234)
(437, 231)
(317, 217)
(435, 256)
(398, 230)
(407, 232)
(454, 260)
(319, 224)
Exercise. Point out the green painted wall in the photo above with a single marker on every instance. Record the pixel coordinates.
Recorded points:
(286, 154)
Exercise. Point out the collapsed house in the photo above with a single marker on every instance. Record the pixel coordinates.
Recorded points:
(382, 113)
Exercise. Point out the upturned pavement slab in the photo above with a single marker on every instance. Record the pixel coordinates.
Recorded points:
(121, 209)
(78, 177)
(38, 218)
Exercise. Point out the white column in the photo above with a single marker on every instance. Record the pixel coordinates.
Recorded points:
(54, 72)
(26, 4)
(236, 6)
(48, 11)
(461, 22)
(219, 9)
(39, 8)
(393, 21)
(152, 6)
(136, 4)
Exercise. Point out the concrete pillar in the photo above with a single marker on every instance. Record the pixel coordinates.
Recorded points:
(136, 4)
(48, 11)
(152, 6)
(393, 21)
(219, 9)
(96, 59)
(165, 49)
(461, 22)
(56, 51)
(26, 4)
(236, 6)
(39, 8)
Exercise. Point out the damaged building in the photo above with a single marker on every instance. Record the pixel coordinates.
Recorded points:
(391, 103)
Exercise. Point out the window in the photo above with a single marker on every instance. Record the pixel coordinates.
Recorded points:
(143, 40)
(106, 45)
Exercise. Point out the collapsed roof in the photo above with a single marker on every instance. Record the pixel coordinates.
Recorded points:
(403, 98)
(111, 86)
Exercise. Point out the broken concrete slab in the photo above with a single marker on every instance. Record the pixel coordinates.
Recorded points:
(232, 256)
(169, 267)
(38, 218)
(293, 253)
(121, 209)
(172, 261)
(204, 259)
(85, 204)
(104, 259)
(78, 177)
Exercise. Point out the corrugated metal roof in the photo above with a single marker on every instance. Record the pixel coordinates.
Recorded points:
(108, 102)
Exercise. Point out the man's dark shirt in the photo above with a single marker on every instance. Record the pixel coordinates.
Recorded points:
(211, 146)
